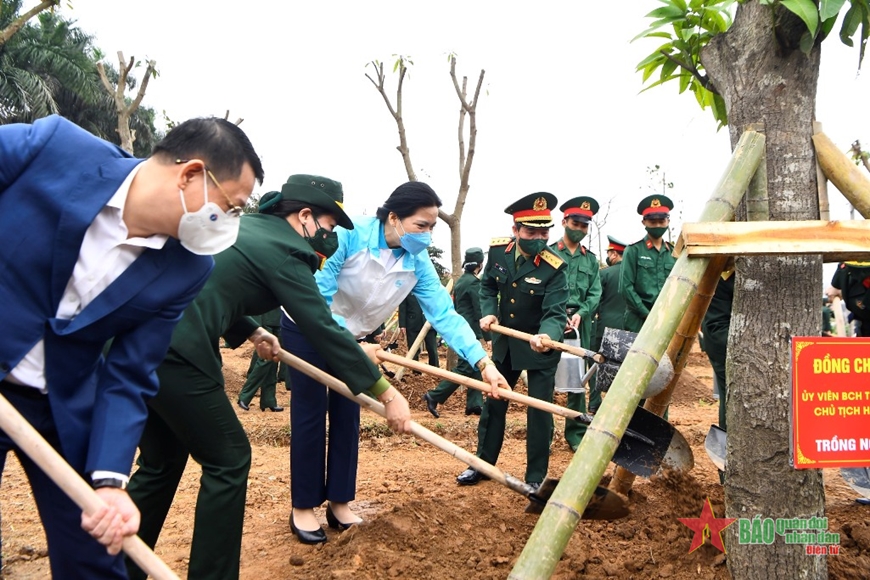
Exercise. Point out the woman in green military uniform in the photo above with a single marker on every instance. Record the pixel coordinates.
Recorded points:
(271, 264)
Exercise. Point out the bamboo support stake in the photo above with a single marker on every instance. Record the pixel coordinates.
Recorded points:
(420, 337)
(824, 205)
(837, 166)
(556, 525)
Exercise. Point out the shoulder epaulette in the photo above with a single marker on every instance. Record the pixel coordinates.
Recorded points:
(552, 259)
(499, 241)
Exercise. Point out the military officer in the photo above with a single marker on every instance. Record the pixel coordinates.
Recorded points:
(647, 263)
(524, 287)
(611, 307)
(852, 279)
(466, 300)
(263, 374)
(584, 291)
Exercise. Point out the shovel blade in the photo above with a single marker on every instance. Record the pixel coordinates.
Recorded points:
(858, 479)
(603, 505)
(670, 449)
(714, 444)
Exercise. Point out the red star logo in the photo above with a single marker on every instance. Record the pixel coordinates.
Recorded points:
(707, 526)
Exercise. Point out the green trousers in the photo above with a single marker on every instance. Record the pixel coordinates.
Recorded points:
(263, 377)
(191, 415)
(445, 388)
(575, 430)
(539, 424)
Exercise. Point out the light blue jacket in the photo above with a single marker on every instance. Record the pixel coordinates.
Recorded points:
(365, 281)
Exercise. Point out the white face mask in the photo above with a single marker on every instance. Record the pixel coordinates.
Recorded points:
(209, 230)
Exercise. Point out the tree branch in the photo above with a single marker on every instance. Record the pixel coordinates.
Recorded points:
(19, 22)
(703, 79)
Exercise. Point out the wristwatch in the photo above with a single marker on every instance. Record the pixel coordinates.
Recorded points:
(109, 482)
(483, 363)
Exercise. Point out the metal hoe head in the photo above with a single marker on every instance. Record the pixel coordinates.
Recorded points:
(714, 444)
(603, 505)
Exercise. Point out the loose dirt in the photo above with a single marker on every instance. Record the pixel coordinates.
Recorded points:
(420, 524)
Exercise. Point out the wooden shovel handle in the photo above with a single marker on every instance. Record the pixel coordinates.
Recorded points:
(417, 430)
(66, 478)
(575, 350)
(481, 386)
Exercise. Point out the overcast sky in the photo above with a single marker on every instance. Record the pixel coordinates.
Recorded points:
(562, 110)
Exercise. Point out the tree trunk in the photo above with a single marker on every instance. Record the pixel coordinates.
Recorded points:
(765, 78)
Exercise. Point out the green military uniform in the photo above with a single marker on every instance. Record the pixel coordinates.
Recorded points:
(263, 374)
(852, 279)
(466, 300)
(269, 265)
(715, 327)
(611, 307)
(412, 320)
(644, 268)
(611, 312)
(584, 294)
(530, 296)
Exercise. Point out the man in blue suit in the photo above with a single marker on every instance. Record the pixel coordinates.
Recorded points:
(98, 247)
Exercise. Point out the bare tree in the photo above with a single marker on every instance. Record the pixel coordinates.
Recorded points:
(600, 220)
(124, 108)
(19, 22)
(467, 109)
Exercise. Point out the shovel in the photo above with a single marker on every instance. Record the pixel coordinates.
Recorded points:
(605, 505)
(551, 344)
(615, 344)
(858, 479)
(648, 442)
(715, 446)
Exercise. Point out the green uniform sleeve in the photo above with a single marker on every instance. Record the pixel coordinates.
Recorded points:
(593, 295)
(627, 282)
(473, 295)
(488, 294)
(240, 330)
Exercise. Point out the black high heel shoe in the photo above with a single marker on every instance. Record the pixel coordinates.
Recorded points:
(333, 521)
(317, 536)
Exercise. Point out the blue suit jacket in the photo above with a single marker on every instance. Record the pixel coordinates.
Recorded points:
(54, 179)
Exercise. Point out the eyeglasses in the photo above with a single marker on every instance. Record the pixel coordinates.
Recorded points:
(234, 211)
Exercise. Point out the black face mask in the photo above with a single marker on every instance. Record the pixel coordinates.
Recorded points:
(324, 242)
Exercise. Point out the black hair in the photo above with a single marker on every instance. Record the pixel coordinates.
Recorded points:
(407, 199)
(286, 207)
(470, 268)
(222, 145)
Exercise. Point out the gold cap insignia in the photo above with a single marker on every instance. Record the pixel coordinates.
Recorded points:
(655, 203)
(585, 205)
(540, 204)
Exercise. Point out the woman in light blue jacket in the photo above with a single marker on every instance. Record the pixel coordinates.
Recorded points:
(378, 263)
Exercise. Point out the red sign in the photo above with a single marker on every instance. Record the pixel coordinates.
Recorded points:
(830, 402)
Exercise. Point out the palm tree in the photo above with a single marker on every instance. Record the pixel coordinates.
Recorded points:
(39, 62)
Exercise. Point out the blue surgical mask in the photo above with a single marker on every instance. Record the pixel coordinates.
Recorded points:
(413, 243)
